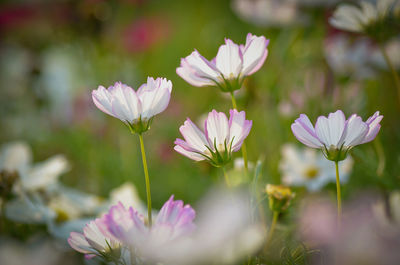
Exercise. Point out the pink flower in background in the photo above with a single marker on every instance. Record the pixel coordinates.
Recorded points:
(335, 135)
(229, 68)
(220, 139)
(144, 33)
(135, 108)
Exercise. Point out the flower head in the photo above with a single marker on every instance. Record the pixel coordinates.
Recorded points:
(279, 197)
(309, 168)
(375, 20)
(334, 134)
(229, 68)
(135, 108)
(220, 139)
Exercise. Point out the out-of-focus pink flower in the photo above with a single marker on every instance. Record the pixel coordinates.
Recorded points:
(93, 241)
(229, 68)
(361, 239)
(335, 135)
(173, 221)
(135, 108)
(145, 33)
(220, 139)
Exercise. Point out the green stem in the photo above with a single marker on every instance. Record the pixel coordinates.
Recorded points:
(146, 175)
(244, 148)
(227, 181)
(392, 70)
(338, 194)
(381, 157)
(272, 227)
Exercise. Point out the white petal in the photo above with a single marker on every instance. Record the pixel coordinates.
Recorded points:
(254, 54)
(192, 77)
(201, 66)
(191, 155)
(330, 130)
(217, 129)
(304, 131)
(78, 242)
(239, 128)
(193, 136)
(356, 130)
(102, 99)
(15, 156)
(229, 60)
(126, 106)
(154, 96)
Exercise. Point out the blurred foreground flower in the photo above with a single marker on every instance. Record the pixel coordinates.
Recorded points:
(220, 139)
(123, 229)
(335, 135)
(225, 233)
(135, 108)
(307, 167)
(359, 240)
(229, 68)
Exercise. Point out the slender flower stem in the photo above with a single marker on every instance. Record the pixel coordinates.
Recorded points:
(272, 227)
(338, 194)
(381, 157)
(227, 181)
(244, 148)
(146, 175)
(392, 70)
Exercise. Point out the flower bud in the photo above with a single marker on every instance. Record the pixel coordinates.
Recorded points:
(279, 197)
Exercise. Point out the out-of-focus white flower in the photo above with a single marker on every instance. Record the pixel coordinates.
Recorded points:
(347, 57)
(392, 48)
(360, 19)
(36, 251)
(267, 12)
(225, 233)
(16, 156)
(29, 210)
(309, 168)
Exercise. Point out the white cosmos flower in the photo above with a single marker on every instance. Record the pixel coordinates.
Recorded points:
(334, 134)
(309, 168)
(229, 68)
(356, 19)
(134, 108)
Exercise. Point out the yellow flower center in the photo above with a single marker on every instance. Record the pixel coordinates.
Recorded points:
(311, 172)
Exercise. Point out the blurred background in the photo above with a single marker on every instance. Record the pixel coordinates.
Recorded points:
(54, 53)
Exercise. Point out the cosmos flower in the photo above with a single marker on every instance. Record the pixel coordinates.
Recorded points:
(229, 68)
(335, 135)
(135, 108)
(220, 139)
(127, 226)
(94, 242)
(309, 168)
(372, 19)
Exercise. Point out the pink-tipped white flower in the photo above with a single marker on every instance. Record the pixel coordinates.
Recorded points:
(220, 139)
(135, 108)
(229, 68)
(94, 242)
(125, 225)
(335, 135)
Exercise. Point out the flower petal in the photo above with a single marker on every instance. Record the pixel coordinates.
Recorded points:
(356, 130)
(239, 128)
(102, 99)
(229, 59)
(78, 242)
(374, 127)
(197, 65)
(183, 148)
(154, 96)
(217, 129)
(254, 53)
(192, 76)
(193, 136)
(330, 130)
(126, 106)
(304, 131)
